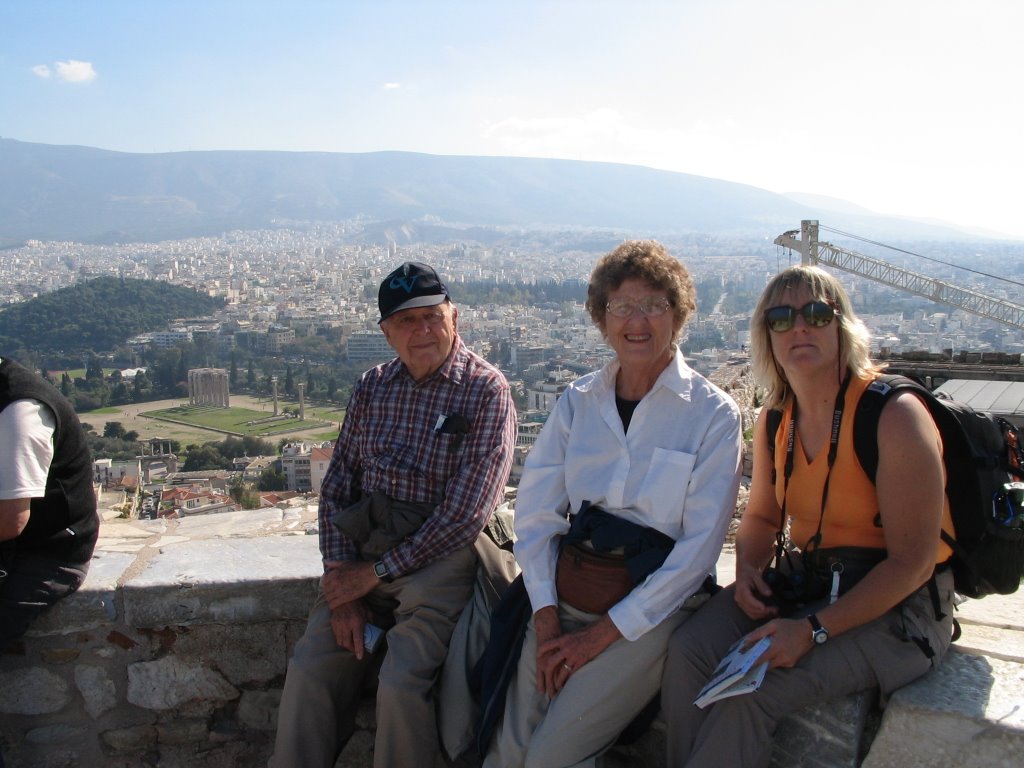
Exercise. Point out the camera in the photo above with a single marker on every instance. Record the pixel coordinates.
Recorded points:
(793, 589)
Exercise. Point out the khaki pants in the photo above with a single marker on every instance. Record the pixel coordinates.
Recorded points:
(324, 681)
(600, 699)
(738, 731)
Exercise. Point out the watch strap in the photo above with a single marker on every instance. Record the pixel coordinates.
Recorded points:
(818, 633)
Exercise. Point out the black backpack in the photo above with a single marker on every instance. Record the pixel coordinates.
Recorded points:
(984, 460)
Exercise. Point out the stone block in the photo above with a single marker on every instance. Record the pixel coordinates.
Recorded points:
(32, 691)
(132, 739)
(170, 682)
(97, 689)
(183, 730)
(244, 653)
(91, 607)
(225, 581)
(967, 713)
(50, 735)
(258, 710)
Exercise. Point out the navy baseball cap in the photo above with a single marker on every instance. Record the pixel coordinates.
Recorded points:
(411, 285)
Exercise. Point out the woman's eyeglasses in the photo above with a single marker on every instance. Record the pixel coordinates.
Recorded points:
(816, 314)
(652, 306)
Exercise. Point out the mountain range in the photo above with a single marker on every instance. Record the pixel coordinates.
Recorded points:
(50, 192)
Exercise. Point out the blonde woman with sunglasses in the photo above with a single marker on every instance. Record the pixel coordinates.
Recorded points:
(857, 597)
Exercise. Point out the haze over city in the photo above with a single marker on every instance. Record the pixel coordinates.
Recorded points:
(906, 109)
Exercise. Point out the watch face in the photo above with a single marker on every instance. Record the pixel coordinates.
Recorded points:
(380, 570)
(820, 635)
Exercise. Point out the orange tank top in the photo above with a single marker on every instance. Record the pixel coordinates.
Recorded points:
(852, 507)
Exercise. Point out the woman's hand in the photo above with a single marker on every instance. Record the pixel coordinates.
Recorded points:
(550, 677)
(791, 639)
(560, 656)
(751, 592)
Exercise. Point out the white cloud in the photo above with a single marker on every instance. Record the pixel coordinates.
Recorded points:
(605, 134)
(72, 71)
(392, 86)
(41, 70)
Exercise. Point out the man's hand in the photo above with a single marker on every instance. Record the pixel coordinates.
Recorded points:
(347, 580)
(348, 621)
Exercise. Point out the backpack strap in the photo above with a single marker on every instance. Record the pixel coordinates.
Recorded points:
(865, 445)
(869, 410)
(774, 420)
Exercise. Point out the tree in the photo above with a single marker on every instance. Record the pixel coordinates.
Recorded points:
(289, 380)
(233, 374)
(93, 369)
(206, 456)
(250, 377)
(182, 370)
(272, 480)
(243, 494)
(332, 388)
(114, 429)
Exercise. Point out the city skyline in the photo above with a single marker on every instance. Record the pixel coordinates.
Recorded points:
(905, 109)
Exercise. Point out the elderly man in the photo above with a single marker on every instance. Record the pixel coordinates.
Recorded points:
(48, 521)
(418, 469)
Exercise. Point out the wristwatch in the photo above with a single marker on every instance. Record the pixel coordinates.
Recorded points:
(381, 571)
(818, 633)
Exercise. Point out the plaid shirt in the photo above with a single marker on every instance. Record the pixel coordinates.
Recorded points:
(390, 443)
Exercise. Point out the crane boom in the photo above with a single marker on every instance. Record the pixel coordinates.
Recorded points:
(812, 251)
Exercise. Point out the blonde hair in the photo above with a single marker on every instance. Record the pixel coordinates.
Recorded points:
(854, 338)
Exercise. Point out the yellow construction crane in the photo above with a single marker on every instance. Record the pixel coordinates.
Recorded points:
(813, 251)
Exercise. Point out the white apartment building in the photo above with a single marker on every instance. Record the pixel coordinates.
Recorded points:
(369, 347)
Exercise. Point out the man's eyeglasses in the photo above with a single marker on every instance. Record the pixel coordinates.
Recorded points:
(411, 322)
(652, 306)
(816, 314)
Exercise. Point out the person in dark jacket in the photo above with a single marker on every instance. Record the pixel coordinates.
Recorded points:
(48, 519)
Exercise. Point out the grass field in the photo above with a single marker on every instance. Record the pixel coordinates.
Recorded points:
(176, 420)
(245, 421)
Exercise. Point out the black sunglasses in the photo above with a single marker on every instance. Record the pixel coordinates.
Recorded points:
(817, 314)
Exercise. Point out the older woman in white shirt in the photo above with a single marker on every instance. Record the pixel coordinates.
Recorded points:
(650, 443)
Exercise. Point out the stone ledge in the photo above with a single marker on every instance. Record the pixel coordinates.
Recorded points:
(174, 652)
(968, 712)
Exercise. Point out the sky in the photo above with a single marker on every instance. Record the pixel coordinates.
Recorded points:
(909, 108)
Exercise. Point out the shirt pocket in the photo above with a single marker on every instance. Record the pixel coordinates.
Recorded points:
(663, 490)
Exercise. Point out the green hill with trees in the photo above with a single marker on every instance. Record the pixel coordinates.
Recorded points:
(97, 315)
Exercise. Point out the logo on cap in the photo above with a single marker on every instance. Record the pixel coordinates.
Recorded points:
(405, 283)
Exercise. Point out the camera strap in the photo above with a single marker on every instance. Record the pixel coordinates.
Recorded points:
(833, 448)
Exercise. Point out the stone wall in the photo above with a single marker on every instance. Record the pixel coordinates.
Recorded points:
(174, 653)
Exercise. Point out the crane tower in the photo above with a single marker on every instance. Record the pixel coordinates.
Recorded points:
(813, 251)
